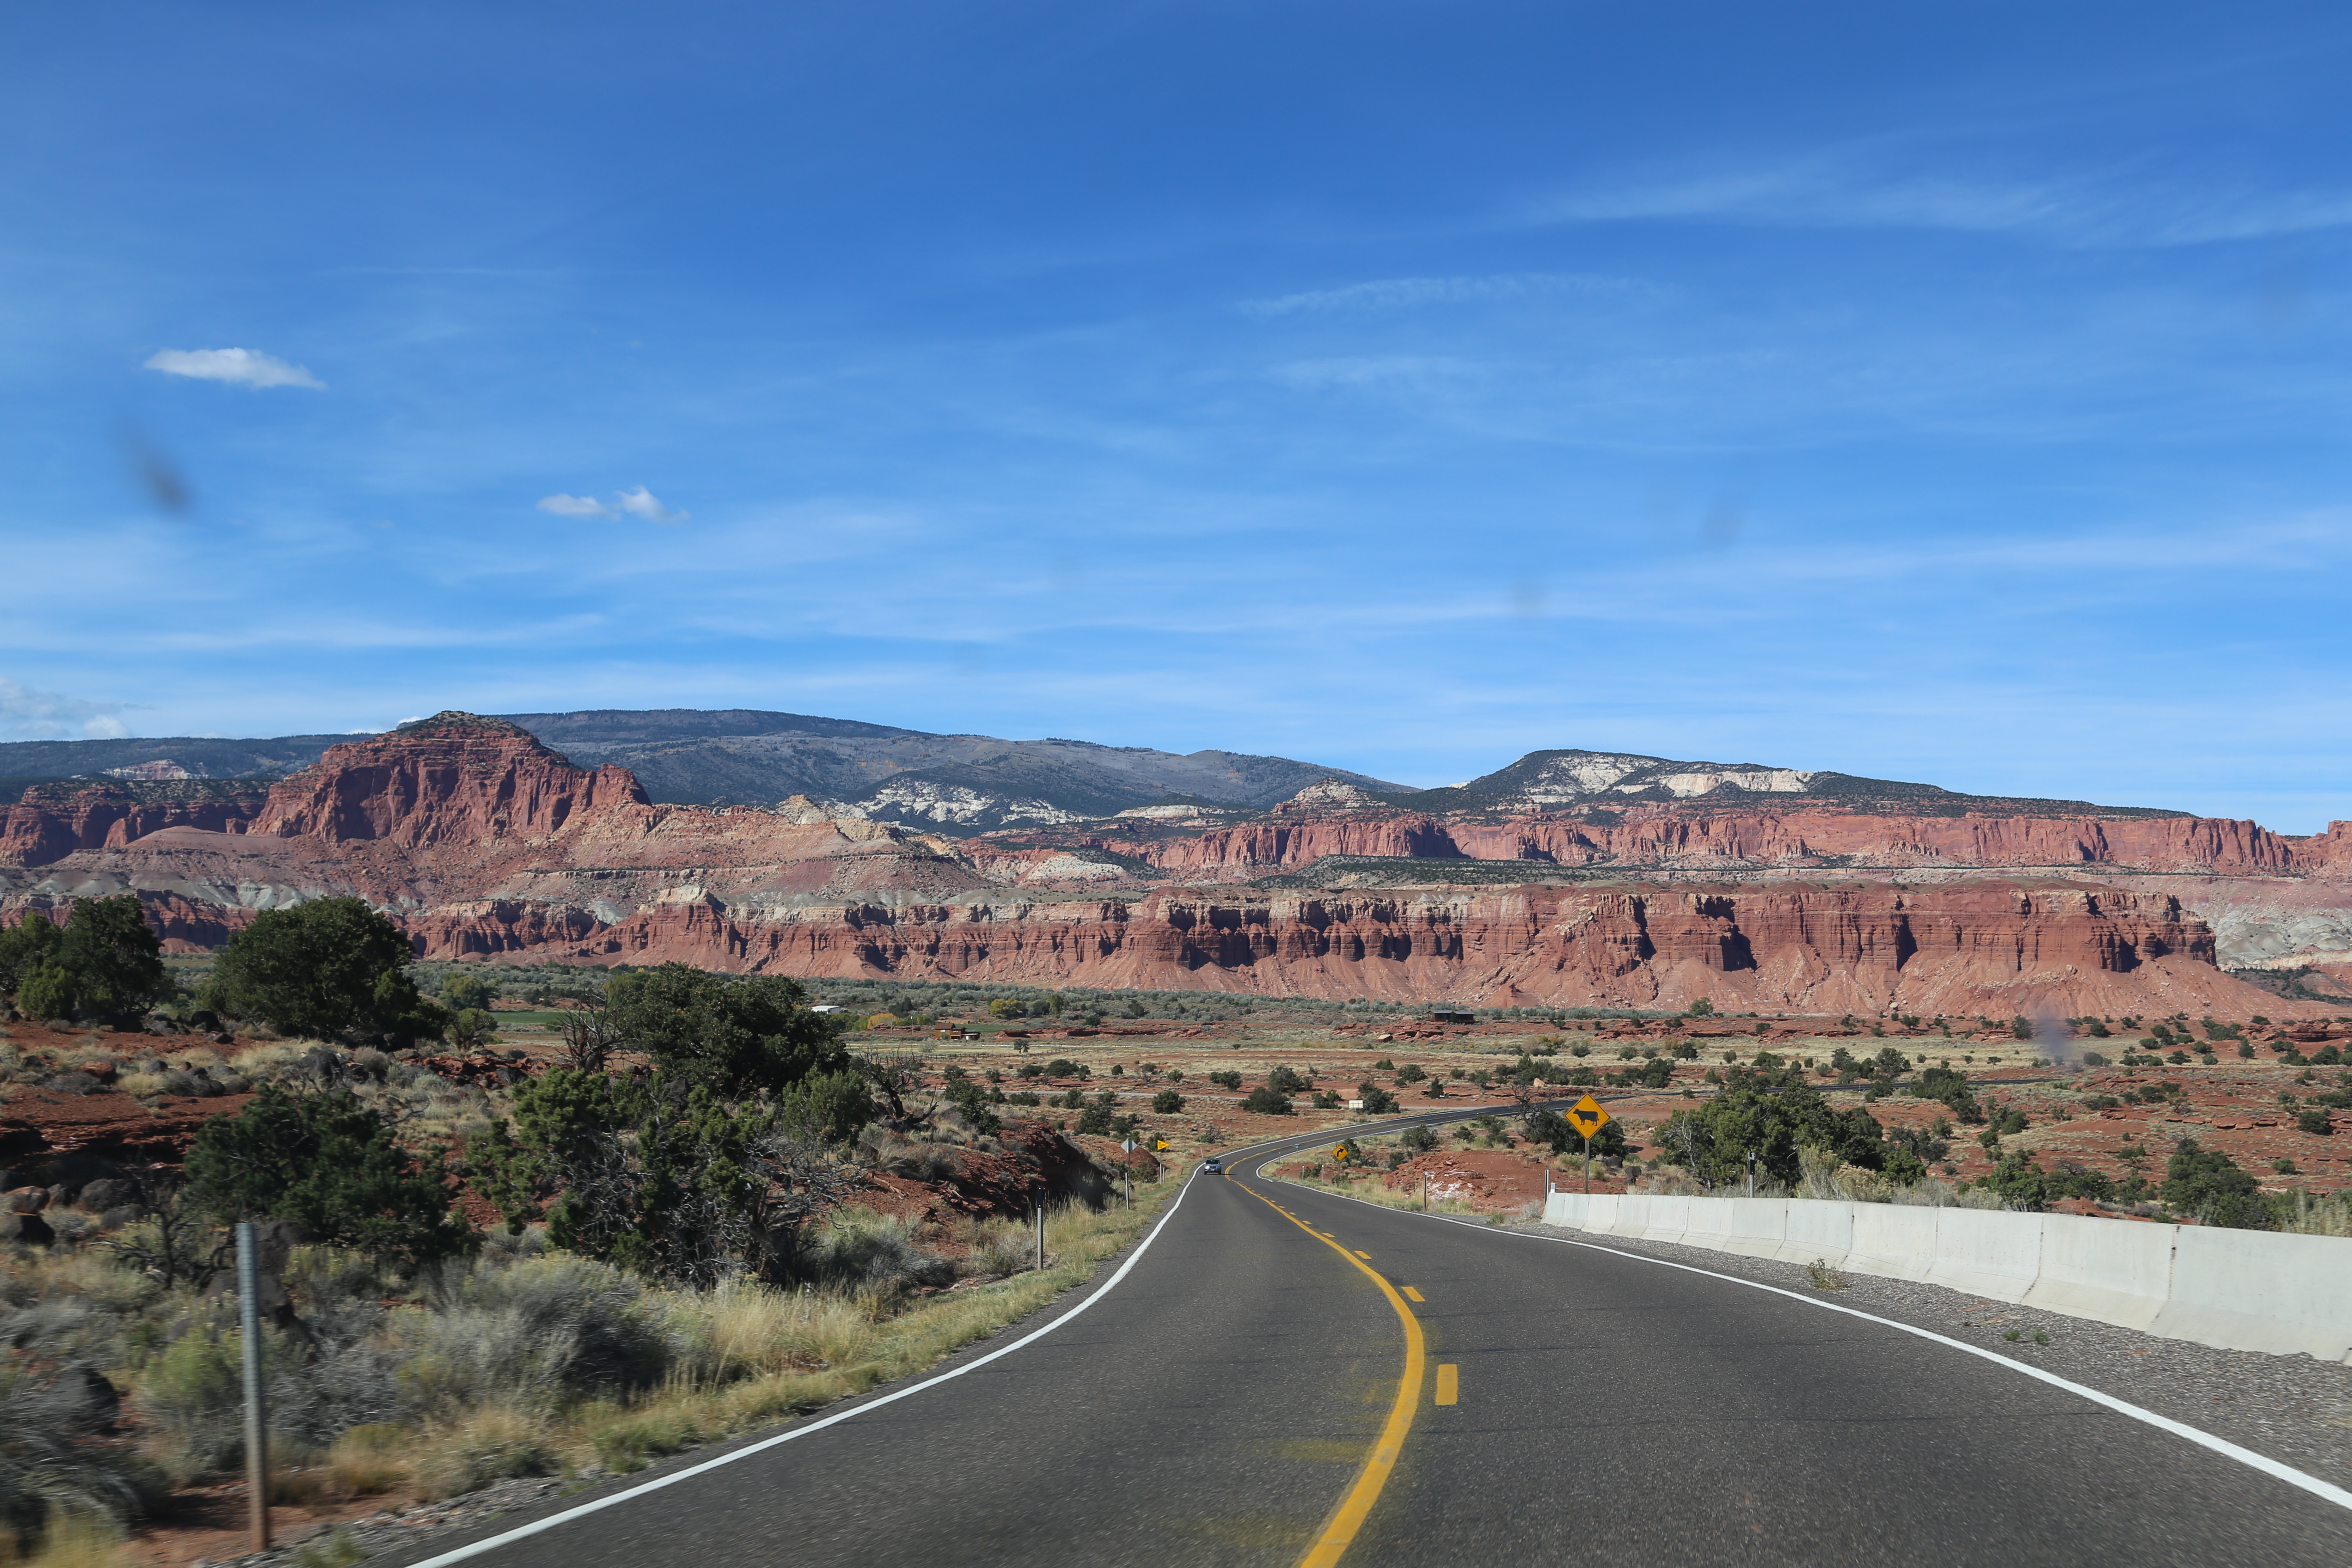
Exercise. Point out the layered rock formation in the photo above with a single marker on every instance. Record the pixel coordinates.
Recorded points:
(484, 842)
(2001, 948)
(51, 821)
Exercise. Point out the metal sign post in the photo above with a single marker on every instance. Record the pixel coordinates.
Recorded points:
(257, 1430)
(1040, 1230)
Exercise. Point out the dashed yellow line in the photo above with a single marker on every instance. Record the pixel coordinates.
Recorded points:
(1412, 1295)
(1339, 1531)
(1449, 1384)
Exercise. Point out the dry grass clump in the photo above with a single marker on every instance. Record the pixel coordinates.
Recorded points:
(270, 1059)
(487, 1444)
(373, 1459)
(78, 1540)
(518, 1360)
(2319, 1217)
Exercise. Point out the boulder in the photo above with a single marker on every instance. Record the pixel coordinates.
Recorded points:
(105, 1193)
(25, 1200)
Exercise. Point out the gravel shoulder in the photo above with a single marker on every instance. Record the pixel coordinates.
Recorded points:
(2291, 1408)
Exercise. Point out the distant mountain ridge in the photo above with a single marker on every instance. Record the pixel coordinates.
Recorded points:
(1569, 777)
(954, 783)
(965, 784)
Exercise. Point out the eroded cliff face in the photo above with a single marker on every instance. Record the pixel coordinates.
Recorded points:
(485, 843)
(1997, 948)
(51, 821)
(1666, 838)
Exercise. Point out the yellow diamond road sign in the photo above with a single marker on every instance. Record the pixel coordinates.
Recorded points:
(1587, 1116)
(1340, 1152)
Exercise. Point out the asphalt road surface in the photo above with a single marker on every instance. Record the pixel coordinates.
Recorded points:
(1284, 1376)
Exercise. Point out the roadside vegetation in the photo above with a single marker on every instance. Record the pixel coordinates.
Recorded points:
(671, 1236)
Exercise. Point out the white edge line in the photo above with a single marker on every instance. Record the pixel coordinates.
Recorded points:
(522, 1531)
(2325, 1491)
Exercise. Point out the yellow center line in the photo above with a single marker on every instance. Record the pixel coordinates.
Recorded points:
(1340, 1529)
(1412, 1295)
(1449, 1384)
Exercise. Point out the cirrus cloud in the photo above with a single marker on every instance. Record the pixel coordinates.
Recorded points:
(239, 367)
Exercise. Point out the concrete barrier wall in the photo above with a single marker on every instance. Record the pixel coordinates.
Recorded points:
(2254, 1291)
(2239, 1289)
(1899, 1243)
(1986, 1252)
(1817, 1233)
(2116, 1273)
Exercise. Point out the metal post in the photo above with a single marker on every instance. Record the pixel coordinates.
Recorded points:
(1041, 1232)
(256, 1431)
(1588, 1164)
(1751, 1173)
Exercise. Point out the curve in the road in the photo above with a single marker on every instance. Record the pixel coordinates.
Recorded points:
(1339, 1532)
(2222, 1446)
(1228, 1382)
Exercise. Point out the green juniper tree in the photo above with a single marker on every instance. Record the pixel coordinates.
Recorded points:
(321, 968)
(329, 1163)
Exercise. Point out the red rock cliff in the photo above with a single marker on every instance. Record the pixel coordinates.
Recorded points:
(485, 842)
(1965, 948)
(453, 779)
(51, 821)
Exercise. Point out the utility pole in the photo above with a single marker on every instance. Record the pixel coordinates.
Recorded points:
(257, 1430)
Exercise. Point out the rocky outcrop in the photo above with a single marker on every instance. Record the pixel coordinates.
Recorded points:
(1668, 839)
(51, 821)
(454, 778)
(1977, 947)
(487, 843)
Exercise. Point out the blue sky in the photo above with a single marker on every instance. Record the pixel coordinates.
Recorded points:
(1944, 391)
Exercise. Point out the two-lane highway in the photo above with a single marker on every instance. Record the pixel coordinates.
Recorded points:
(1284, 1376)
(1608, 1408)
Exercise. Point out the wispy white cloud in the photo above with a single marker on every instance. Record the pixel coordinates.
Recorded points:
(1402, 293)
(238, 367)
(27, 714)
(639, 502)
(1382, 370)
(1869, 188)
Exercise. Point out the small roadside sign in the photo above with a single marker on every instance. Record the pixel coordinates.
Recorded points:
(1159, 1143)
(1340, 1152)
(1587, 1116)
(1127, 1146)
